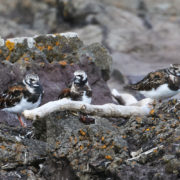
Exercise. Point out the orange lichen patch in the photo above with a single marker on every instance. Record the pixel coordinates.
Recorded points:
(152, 112)
(103, 147)
(55, 154)
(26, 58)
(125, 148)
(70, 138)
(23, 171)
(81, 138)
(110, 147)
(63, 63)
(82, 132)
(2, 147)
(10, 45)
(155, 151)
(49, 48)
(81, 147)
(173, 125)
(102, 138)
(57, 43)
(40, 47)
(108, 157)
(124, 136)
(8, 57)
(75, 140)
(160, 116)
(58, 143)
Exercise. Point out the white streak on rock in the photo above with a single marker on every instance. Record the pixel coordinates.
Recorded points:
(1, 42)
(30, 41)
(69, 34)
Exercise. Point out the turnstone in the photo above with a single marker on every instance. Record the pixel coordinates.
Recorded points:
(160, 84)
(23, 96)
(79, 90)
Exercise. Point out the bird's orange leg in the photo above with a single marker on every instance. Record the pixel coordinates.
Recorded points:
(21, 121)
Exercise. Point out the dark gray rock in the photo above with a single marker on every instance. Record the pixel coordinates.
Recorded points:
(54, 58)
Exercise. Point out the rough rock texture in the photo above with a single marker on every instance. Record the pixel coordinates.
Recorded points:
(63, 147)
(142, 35)
(54, 58)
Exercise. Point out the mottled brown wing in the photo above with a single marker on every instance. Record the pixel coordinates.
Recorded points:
(65, 93)
(152, 80)
(12, 96)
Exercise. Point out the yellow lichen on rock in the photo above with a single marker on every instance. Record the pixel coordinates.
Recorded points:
(10, 45)
(108, 157)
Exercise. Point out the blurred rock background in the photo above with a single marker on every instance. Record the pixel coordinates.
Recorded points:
(142, 35)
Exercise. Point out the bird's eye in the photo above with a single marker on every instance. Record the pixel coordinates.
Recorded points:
(32, 80)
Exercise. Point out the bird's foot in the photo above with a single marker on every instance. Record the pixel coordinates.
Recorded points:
(86, 119)
(22, 122)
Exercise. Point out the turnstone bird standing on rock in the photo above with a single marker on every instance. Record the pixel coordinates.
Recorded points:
(160, 84)
(23, 96)
(79, 90)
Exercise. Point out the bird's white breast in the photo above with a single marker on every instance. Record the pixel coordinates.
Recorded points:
(23, 105)
(162, 92)
(85, 98)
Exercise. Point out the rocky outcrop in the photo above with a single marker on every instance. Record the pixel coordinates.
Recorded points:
(59, 145)
(54, 58)
(142, 35)
(139, 147)
(63, 147)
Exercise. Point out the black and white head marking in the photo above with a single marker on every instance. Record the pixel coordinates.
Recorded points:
(80, 78)
(174, 69)
(31, 81)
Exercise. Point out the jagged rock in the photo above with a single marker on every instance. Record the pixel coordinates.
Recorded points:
(54, 58)
(103, 150)
(62, 146)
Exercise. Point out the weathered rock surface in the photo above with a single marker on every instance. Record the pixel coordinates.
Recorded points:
(55, 58)
(63, 147)
(141, 38)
